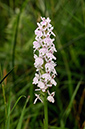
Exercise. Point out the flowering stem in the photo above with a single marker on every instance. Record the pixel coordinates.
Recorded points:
(45, 112)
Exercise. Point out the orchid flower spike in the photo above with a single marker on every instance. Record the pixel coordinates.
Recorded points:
(44, 49)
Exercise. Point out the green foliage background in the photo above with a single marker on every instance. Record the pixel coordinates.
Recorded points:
(18, 20)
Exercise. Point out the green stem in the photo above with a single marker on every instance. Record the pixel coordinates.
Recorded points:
(3, 89)
(14, 44)
(16, 35)
(45, 112)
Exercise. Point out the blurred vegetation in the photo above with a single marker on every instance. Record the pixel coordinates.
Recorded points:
(18, 20)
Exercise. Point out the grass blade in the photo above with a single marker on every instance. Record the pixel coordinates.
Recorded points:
(7, 125)
(6, 76)
(67, 111)
(54, 127)
(22, 114)
(16, 103)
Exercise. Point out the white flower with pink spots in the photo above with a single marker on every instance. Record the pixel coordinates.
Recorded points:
(44, 60)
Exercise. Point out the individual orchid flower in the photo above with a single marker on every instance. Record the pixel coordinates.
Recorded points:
(50, 97)
(37, 97)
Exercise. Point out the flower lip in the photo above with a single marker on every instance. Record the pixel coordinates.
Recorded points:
(36, 44)
(50, 99)
(38, 62)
